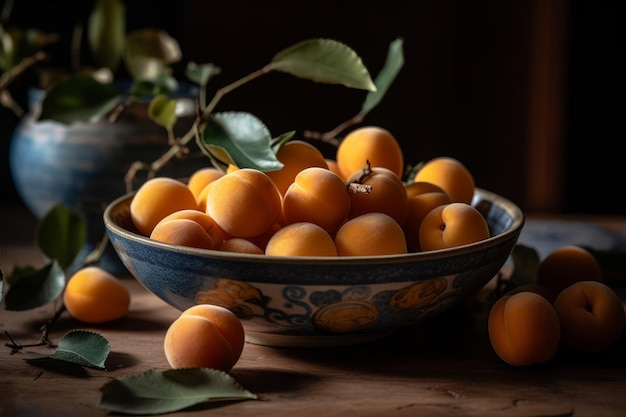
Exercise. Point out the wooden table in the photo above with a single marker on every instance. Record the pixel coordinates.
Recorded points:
(442, 367)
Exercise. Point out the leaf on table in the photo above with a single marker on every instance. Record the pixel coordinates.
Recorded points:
(59, 366)
(160, 392)
(324, 61)
(33, 288)
(80, 347)
(393, 65)
(61, 234)
(240, 138)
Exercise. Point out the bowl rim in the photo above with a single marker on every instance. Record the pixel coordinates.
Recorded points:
(512, 231)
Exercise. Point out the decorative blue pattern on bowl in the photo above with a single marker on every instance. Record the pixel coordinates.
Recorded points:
(321, 301)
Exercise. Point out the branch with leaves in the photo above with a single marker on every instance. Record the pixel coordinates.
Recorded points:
(231, 137)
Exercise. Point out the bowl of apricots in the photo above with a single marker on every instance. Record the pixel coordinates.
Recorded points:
(322, 252)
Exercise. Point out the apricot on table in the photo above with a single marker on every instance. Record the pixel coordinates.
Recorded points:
(451, 175)
(566, 265)
(370, 234)
(204, 336)
(318, 196)
(244, 203)
(93, 295)
(524, 329)
(369, 143)
(591, 314)
(452, 225)
(156, 198)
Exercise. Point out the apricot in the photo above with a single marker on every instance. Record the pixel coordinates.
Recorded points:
(452, 225)
(565, 266)
(210, 237)
(204, 336)
(524, 329)
(244, 203)
(591, 314)
(295, 155)
(183, 232)
(370, 234)
(422, 198)
(93, 295)
(201, 177)
(262, 239)
(387, 194)
(156, 198)
(451, 175)
(318, 196)
(301, 239)
(369, 143)
(240, 245)
(332, 165)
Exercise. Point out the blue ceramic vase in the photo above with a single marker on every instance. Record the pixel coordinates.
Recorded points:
(83, 165)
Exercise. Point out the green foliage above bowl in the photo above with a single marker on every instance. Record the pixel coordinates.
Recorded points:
(227, 137)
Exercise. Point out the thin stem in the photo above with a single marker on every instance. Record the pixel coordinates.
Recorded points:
(11, 75)
(227, 89)
(178, 147)
(331, 135)
(45, 328)
(44, 340)
(95, 255)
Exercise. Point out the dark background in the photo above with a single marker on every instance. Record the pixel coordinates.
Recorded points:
(464, 91)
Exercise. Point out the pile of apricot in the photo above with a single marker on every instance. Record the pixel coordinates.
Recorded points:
(570, 306)
(357, 204)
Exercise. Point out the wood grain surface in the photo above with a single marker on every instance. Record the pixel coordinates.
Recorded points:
(442, 367)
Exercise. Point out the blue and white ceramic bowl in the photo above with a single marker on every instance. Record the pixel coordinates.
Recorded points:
(321, 301)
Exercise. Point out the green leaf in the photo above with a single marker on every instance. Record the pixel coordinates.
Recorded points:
(162, 84)
(160, 392)
(525, 265)
(106, 32)
(240, 138)
(19, 272)
(36, 289)
(281, 140)
(66, 102)
(66, 368)
(61, 234)
(149, 52)
(80, 347)
(162, 110)
(324, 61)
(393, 65)
(201, 73)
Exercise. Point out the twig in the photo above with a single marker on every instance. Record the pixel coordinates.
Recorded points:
(11, 75)
(45, 328)
(331, 135)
